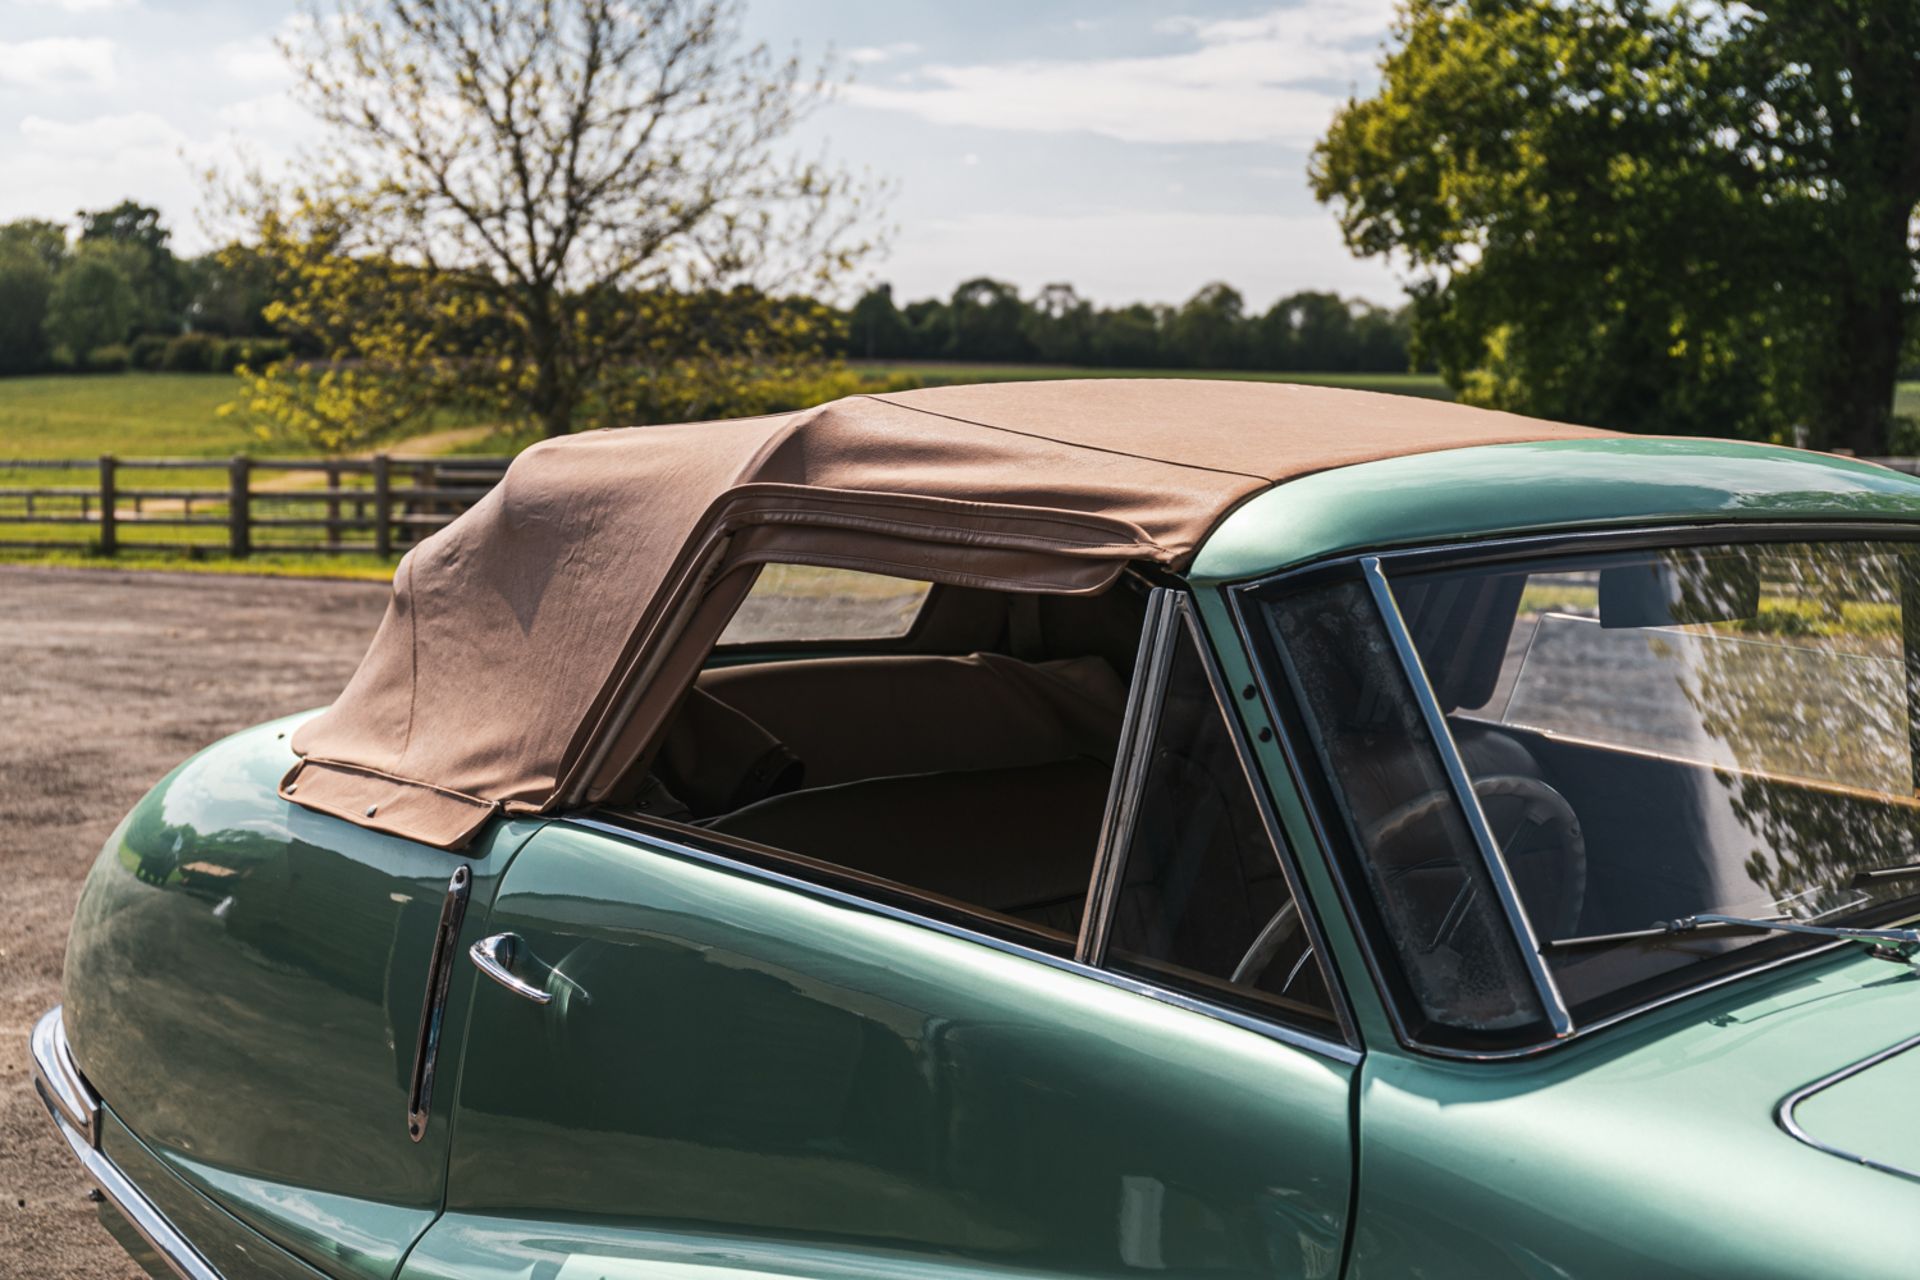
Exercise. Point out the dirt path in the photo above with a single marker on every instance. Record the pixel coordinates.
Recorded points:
(107, 680)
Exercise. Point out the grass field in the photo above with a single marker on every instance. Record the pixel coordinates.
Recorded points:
(177, 415)
(150, 414)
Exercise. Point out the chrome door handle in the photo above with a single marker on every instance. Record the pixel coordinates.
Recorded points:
(494, 957)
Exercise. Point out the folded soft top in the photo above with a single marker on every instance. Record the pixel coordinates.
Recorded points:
(534, 645)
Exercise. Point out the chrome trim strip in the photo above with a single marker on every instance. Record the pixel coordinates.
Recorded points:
(1283, 853)
(50, 1057)
(1503, 886)
(1137, 732)
(1286, 1035)
(1784, 1117)
(58, 1080)
(433, 1005)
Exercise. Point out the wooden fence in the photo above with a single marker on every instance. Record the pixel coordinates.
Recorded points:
(237, 507)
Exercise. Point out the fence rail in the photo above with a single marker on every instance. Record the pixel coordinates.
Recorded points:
(333, 506)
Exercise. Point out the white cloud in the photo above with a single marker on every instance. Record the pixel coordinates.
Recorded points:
(1277, 77)
(255, 60)
(57, 60)
(867, 55)
(57, 166)
(136, 131)
(79, 6)
(1122, 256)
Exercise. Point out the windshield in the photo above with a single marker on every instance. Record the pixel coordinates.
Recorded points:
(1651, 735)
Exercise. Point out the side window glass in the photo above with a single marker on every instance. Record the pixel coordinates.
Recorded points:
(1203, 903)
(801, 603)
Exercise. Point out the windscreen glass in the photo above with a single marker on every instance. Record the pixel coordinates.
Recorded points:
(1658, 734)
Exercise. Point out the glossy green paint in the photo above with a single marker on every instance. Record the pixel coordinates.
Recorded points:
(1519, 488)
(244, 983)
(731, 1060)
(1649, 1150)
(1870, 1114)
(225, 1241)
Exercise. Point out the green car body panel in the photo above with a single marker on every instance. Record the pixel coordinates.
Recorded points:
(741, 1075)
(794, 1068)
(244, 983)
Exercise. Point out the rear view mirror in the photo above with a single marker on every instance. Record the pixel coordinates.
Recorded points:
(1679, 589)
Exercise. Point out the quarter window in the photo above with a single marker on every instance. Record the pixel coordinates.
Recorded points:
(1203, 903)
(811, 603)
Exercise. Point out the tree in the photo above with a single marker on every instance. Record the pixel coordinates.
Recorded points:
(528, 176)
(1841, 79)
(875, 328)
(1209, 330)
(133, 235)
(1685, 218)
(987, 317)
(228, 291)
(46, 241)
(1060, 325)
(93, 304)
(26, 282)
(1129, 337)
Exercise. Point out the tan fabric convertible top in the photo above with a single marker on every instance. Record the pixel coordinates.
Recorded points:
(533, 646)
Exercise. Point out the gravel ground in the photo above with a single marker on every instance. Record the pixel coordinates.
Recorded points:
(107, 680)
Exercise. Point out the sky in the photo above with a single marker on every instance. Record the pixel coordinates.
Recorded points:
(1136, 151)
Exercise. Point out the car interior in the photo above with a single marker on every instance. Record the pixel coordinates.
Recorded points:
(968, 761)
(968, 758)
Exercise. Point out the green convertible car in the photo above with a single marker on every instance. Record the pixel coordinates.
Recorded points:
(1057, 829)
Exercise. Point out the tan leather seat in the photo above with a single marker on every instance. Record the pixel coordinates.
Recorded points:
(868, 717)
(1019, 841)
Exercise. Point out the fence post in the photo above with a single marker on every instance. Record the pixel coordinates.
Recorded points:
(239, 508)
(109, 536)
(333, 504)
(382, 508)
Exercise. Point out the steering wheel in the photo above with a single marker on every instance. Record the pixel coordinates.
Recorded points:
(1539, 839)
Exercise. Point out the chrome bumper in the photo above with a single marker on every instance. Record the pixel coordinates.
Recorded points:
(76, 1113)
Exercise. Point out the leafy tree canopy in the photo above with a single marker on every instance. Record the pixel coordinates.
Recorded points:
(26, 283)
(93, 304)
(1684, 217)
(46, 241)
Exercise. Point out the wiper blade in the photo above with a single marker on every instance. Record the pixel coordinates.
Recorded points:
(1898, 937)
(1907, 941)
(1885, 873)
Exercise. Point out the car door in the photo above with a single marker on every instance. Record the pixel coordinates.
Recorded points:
(694, 1064)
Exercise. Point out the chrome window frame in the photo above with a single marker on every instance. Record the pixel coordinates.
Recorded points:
(1245, 598)
(1171, 614)
(1546, 990)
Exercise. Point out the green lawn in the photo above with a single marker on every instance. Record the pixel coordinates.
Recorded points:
(136, 415)
(935, 373)
(133, 414)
